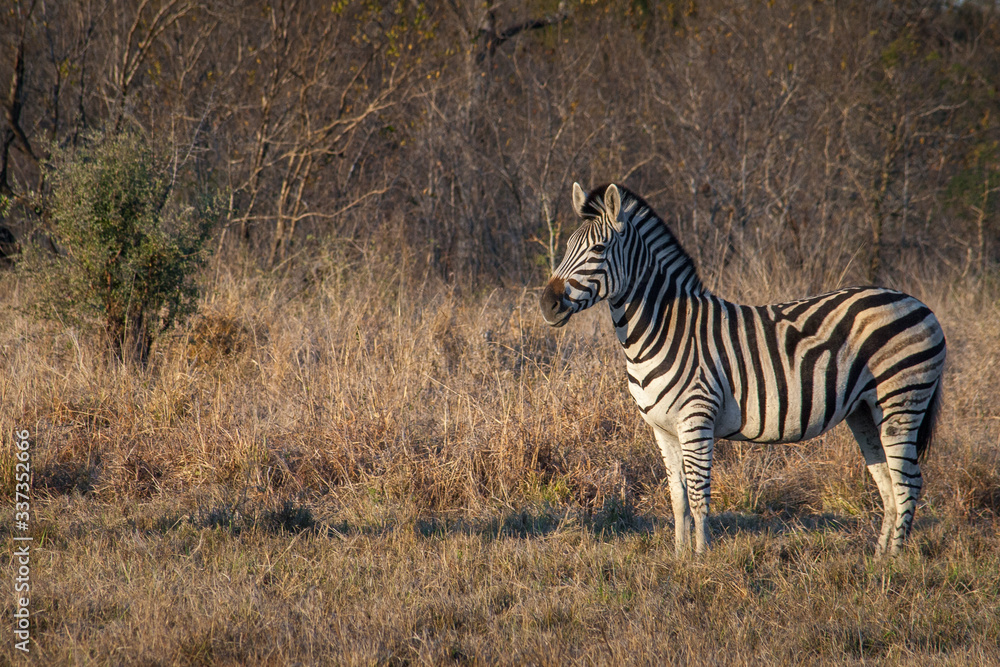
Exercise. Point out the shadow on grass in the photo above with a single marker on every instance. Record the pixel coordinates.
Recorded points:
(615, 519)
(66, 477)
(232, 517)
(729, 524)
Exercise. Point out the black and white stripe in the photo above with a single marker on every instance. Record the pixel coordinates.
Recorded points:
(701, 368)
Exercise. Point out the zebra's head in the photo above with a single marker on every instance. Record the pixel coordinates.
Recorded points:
(583, 277)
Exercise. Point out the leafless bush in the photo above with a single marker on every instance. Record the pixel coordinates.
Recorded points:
(856, 139)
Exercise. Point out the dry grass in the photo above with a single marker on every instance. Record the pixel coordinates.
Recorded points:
(360, 467)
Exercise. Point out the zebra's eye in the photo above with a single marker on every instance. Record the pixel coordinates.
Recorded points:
(598, 248)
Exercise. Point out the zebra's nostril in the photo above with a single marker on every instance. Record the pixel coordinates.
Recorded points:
(551, 303)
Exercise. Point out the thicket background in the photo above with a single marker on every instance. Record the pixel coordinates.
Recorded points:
(855, 138)
(366, 447)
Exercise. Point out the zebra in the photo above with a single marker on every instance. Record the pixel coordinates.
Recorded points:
(701, 368)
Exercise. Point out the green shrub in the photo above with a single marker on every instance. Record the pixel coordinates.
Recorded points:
(128, 243)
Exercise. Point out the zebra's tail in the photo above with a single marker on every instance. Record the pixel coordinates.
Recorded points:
(925, 434)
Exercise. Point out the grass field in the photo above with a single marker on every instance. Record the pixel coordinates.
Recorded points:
(360, 467)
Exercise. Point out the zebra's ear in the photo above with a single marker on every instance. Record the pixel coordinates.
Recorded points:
(579, 199)
(613, 207)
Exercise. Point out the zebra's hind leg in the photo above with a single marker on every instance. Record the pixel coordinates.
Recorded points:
(898, 433)
(864, 430)
(671, 451)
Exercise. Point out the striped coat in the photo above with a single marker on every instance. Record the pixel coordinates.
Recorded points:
(701, 368)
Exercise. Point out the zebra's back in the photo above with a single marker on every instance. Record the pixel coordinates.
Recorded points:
(797, 369)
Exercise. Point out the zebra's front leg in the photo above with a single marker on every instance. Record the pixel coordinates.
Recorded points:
(670, 449)
(696, 433)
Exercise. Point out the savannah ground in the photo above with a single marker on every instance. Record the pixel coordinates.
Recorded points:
(365, 447)
(365, 468)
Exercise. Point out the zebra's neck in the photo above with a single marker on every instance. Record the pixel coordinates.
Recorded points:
(659, 279)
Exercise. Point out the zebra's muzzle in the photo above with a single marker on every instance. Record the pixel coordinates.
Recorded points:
(555, 312)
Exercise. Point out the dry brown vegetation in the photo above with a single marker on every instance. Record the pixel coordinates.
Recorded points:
(367, 448)
(366, 469)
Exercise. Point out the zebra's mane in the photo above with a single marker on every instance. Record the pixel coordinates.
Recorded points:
(632, 203)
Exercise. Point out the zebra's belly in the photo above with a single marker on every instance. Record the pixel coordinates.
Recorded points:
(772, 420)
(793, 423)
(770, 433)
(787, 420)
